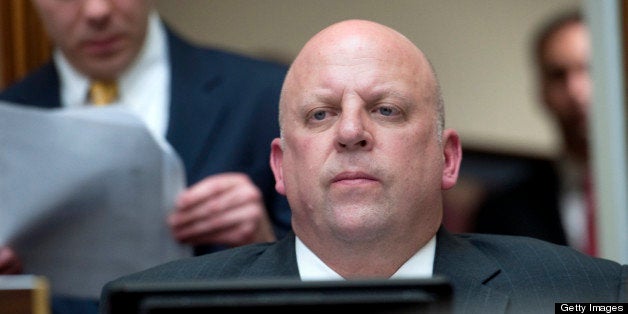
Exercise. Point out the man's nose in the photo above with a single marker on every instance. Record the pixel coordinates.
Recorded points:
(353, 131)
(97, 10)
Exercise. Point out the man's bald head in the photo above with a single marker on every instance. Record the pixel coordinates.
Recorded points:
(362, 39)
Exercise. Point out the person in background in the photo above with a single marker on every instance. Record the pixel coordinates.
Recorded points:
(364, 158)
(555, 201)
(217, 109)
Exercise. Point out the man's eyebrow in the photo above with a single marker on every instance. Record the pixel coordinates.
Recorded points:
(388, 93)
(324, 95)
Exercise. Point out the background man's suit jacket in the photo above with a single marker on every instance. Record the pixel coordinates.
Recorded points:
(528, 206)
(489, 273)
(223, 114)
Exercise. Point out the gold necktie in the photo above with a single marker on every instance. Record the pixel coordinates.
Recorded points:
(102, 93)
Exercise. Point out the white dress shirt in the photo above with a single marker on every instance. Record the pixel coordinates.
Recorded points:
(420, 265)
(573, 204)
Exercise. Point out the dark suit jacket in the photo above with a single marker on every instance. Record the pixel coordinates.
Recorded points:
(223, 114)
(489, 273)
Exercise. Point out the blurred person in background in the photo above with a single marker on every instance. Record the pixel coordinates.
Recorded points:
(555, 201)
(217, 109)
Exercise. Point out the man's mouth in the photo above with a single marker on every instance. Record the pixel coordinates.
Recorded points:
(353, 177)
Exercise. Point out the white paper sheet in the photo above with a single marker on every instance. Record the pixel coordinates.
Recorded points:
(84, 195)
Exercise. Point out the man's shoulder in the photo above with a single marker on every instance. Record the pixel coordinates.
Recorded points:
(515, 251)
(271, 259)
(37, 86)
(530, 275)
(225, 263)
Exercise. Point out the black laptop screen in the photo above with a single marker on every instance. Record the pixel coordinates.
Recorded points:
(431, 295)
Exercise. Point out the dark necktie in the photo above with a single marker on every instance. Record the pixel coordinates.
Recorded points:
(589, 195)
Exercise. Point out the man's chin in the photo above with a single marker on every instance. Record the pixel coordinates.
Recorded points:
(358, 226)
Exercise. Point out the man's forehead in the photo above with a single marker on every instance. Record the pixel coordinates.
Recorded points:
(379, 52)
(372, 58)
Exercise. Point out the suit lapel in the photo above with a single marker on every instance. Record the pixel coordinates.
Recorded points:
(45, 81)
(194, 110)
(280, 260)
(471, 273)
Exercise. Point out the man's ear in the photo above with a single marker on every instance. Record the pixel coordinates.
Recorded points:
(276, 161)
(452, 153)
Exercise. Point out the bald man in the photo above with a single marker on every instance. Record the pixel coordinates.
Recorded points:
(363, 159)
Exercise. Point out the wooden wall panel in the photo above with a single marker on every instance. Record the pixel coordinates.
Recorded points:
(25, 44)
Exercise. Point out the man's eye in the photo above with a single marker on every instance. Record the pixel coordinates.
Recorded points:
(386, 111)
(319, 115)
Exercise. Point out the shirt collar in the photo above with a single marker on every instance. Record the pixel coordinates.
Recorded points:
(420, 265)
